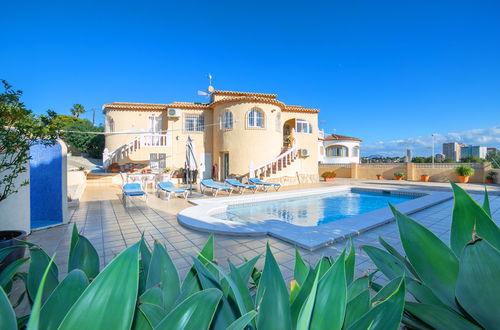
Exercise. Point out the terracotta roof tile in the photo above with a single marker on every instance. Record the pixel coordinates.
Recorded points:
(298, 108)
(249, 98)
(227, 97)
(155, 106)
(337, 137)
(234, 93)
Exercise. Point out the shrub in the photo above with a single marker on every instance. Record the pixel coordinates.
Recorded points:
(399, 175)
(449, 287)
(464, 170)
(331, 174)
(93, 144)
(20, 129)
(141, 289)
(491, 175)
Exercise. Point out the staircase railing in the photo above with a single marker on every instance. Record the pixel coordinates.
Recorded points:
(141, 141)
(275, 165)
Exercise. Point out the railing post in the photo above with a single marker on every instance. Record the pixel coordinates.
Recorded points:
(354, 170)
(410, 171)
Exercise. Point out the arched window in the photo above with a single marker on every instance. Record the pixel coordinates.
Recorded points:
(110, 124)
(255, 118)
(337, 151)
(227, 120)
(355, 152)
(303, 126)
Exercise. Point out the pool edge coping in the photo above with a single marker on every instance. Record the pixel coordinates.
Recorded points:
(199, 217)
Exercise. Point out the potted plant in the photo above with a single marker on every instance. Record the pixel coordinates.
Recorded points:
(329, 176)
(20, 129)
(399, 176)
(166, 170)
(424, 178)
(114, 168)
(379, 176)
(490, 178)
(464, 173)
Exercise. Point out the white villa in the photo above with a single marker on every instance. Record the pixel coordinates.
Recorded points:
(338, 149)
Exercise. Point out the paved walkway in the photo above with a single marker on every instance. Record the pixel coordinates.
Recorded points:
(111, 227)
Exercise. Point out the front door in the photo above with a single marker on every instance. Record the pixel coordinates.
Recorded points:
(225, 166)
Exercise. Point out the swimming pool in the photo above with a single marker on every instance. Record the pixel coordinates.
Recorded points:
(309, 218)
(314, 210)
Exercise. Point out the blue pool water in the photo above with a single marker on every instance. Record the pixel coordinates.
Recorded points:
(313, 210)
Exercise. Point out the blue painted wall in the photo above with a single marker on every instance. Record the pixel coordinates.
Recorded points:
(46, 185)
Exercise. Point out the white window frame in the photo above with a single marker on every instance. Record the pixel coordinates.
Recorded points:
(226, 122)
(254, 120)
(344, 151)
(110, 124)
(155, 123)
(355, 151)
(303, 126)
(159, 159)
(194, 123)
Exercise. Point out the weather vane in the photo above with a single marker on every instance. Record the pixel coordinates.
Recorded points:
(210, 89)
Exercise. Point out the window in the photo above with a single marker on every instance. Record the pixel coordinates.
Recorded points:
(194, 123)
(157, 161)
(110, 124)
(303, 126)
(227, 120)
(255, 118)
(154, 124)
(337, 151)
(355, 152)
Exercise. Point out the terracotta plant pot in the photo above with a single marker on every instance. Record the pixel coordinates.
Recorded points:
(399, 178)
(424, 178)
(463, 179)
(489, 181)
(329, 179)
(379, 177)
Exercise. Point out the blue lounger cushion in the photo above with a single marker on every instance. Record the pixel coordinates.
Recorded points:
(236, 183)
(262, 183)
(133, 189)
(209, 183)
(170, 187)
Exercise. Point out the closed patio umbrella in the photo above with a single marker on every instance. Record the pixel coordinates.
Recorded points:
(191, 165)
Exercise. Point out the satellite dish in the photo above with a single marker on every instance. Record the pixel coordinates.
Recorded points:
(211, 89)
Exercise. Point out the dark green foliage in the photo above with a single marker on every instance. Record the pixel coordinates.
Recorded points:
(452, 287)
(19, 130)
(93, 144)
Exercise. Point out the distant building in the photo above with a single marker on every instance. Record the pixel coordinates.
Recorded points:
(452, 150)
(440, 157)
(471, 151)
(338, 149)
(408, 156)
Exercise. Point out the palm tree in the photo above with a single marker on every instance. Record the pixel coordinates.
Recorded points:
(77, 110)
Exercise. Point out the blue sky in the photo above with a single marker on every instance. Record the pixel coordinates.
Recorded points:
(387, 72)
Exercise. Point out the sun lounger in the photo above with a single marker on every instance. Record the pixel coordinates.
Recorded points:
(133, 190)
(241, 186)
(170, 189)
(265, 185)
(215, 187)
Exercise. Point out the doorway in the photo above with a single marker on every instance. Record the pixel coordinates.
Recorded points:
(224, 166)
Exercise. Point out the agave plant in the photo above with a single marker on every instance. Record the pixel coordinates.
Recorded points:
(141, 289)
(450, 287)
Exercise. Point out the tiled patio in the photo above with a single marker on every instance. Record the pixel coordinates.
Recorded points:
(111, 227)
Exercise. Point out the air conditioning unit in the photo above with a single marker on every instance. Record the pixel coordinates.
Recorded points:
(174, 113)
(304, 152)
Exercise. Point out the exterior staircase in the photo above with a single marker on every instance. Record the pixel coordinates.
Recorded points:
(277, 165)
(139, 142)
